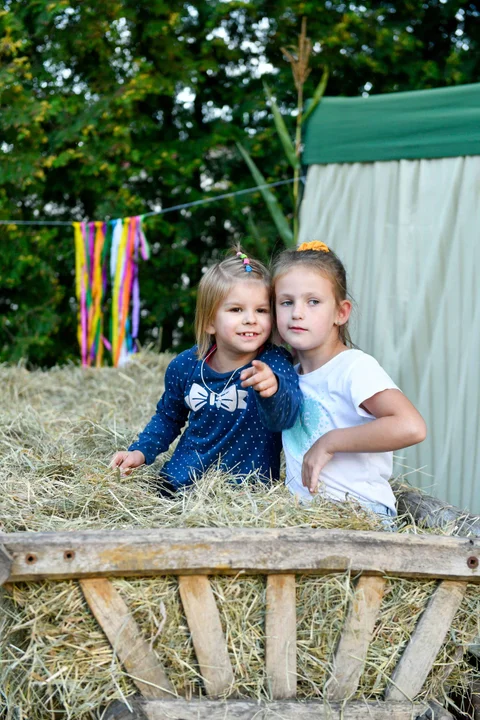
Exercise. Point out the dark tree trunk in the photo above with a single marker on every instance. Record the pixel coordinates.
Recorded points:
(430, 512)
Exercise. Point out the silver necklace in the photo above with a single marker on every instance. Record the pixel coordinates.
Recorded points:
(214, 396)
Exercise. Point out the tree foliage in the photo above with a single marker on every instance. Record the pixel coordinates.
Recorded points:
(118, 108)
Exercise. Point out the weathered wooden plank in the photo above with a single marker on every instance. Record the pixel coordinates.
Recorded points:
(249, 710)
(207, 635)
(357, 632)
(281, 636)
(207, 551)
(5, 565)
(425, 642)
(125, 637)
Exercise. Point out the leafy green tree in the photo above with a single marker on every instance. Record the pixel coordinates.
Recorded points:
(119, 108)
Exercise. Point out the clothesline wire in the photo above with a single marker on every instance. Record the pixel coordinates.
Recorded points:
(183, 206)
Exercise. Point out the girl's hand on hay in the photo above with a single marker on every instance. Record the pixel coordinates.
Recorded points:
(127, 460)
(314, 461)
(261, 377)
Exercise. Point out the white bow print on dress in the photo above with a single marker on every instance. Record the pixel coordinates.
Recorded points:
(229, 399)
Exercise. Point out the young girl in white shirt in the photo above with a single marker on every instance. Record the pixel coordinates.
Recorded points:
(353, 415)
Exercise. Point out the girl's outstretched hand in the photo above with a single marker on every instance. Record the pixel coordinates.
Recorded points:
(261, 377)
(314, 461)
(127, 460)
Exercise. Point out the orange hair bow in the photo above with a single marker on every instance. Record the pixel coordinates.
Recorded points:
(313, 245)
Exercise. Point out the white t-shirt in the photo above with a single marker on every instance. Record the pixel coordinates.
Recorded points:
(332, 397)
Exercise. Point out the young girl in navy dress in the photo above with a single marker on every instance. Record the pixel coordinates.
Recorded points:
(235, 390)
(353, 415)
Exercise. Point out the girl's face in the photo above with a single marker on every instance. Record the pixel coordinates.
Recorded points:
(307, 311)
(242, 322)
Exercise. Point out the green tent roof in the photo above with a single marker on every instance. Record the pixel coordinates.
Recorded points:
(444, 122)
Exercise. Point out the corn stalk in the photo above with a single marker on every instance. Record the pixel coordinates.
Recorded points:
(299, 57)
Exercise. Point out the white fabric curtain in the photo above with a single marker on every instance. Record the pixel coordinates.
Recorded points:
(408, 233)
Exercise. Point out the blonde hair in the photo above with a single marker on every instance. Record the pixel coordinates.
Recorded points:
(326, 263)
(215, 286)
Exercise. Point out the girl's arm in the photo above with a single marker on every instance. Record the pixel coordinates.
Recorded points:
(171, 413)
(397, 424)
(261, 377)
(127, 460)
(278, 396)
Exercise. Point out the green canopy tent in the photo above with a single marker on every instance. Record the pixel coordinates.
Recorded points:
(393, 185)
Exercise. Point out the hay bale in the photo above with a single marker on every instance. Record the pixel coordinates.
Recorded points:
(58, 430)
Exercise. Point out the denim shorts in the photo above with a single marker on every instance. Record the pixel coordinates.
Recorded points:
(386, 514)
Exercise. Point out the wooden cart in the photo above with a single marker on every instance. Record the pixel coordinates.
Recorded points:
(194, 554)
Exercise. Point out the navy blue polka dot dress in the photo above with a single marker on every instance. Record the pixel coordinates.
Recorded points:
(226, 423)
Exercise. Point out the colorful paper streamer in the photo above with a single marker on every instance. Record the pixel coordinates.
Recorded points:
(102, 250)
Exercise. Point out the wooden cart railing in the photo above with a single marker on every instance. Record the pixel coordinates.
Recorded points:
(194, 554)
